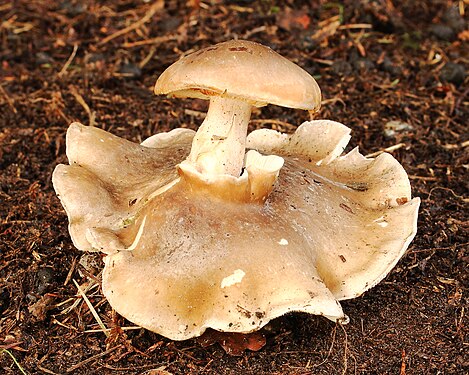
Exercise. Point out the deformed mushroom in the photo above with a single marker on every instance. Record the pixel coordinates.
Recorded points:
(197, 233)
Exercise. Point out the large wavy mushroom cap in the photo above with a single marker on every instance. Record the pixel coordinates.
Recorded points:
(194, 241)
(184, 254)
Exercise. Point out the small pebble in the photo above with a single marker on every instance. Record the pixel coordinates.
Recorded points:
(43, 58)
(73, 9)
(443, 32)
(168, 24)
(453, 73)
(453, 19)
(95, 57)
(363, 64)
(389, 67)
(130, 71)
(45, 276)
(341, 68)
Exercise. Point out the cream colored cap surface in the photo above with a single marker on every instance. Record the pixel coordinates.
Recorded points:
(244, 70)
(184, 254)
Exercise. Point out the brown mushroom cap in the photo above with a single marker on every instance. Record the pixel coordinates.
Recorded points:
(241, 69)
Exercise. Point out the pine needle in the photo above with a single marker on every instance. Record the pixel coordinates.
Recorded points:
(93, 311)
(158, 5)
(14, 360)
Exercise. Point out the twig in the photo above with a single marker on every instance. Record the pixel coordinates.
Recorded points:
(147, 58)
(148, 15)
(387, 149)
(81, 101)
(356, 26)
(464, 199)
(330, 348)
(16, 222)
(93, 311)
(333, 100)
(207, 365)
(8, 99)
(153, 41)
(455, 146)
(69, 61)
(55, 321)
(186, 355)
(345, 350)
(14, 360)
(197, 114)
(240, 9)
(12, 345)
(323, 61)
(256, 30)
(144, 367)
(423, 178)
(70, 271)
(46, 370)
(403, 364)
(109, 329)
(91, 359)
(65, 302)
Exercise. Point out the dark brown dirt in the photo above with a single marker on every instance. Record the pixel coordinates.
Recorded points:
(407, 63)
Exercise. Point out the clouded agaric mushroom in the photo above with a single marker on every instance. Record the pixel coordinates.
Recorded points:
(198, 233)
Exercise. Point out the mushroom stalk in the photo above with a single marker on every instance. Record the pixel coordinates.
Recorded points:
(219, 145)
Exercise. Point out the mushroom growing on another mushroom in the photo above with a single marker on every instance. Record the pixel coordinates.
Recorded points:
(234, 76)
(197, 233)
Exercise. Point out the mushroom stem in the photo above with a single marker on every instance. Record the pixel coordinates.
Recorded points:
(219, 145)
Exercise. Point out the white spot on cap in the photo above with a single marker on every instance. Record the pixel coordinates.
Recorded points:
(283, 242)
(381, 221)
(233, 279)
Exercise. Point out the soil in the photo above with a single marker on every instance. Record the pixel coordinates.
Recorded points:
(96, 62)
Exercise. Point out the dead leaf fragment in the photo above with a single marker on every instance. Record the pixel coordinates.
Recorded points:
(326, 29)
(40, 308)
(464, 35)
(455, 298)
(157, 371)
(233, 343)
(291, 19)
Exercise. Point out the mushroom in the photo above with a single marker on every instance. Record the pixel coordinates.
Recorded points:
(197, 233)
(234, 76)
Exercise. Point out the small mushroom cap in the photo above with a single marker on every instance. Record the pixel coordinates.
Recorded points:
(241, 69)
